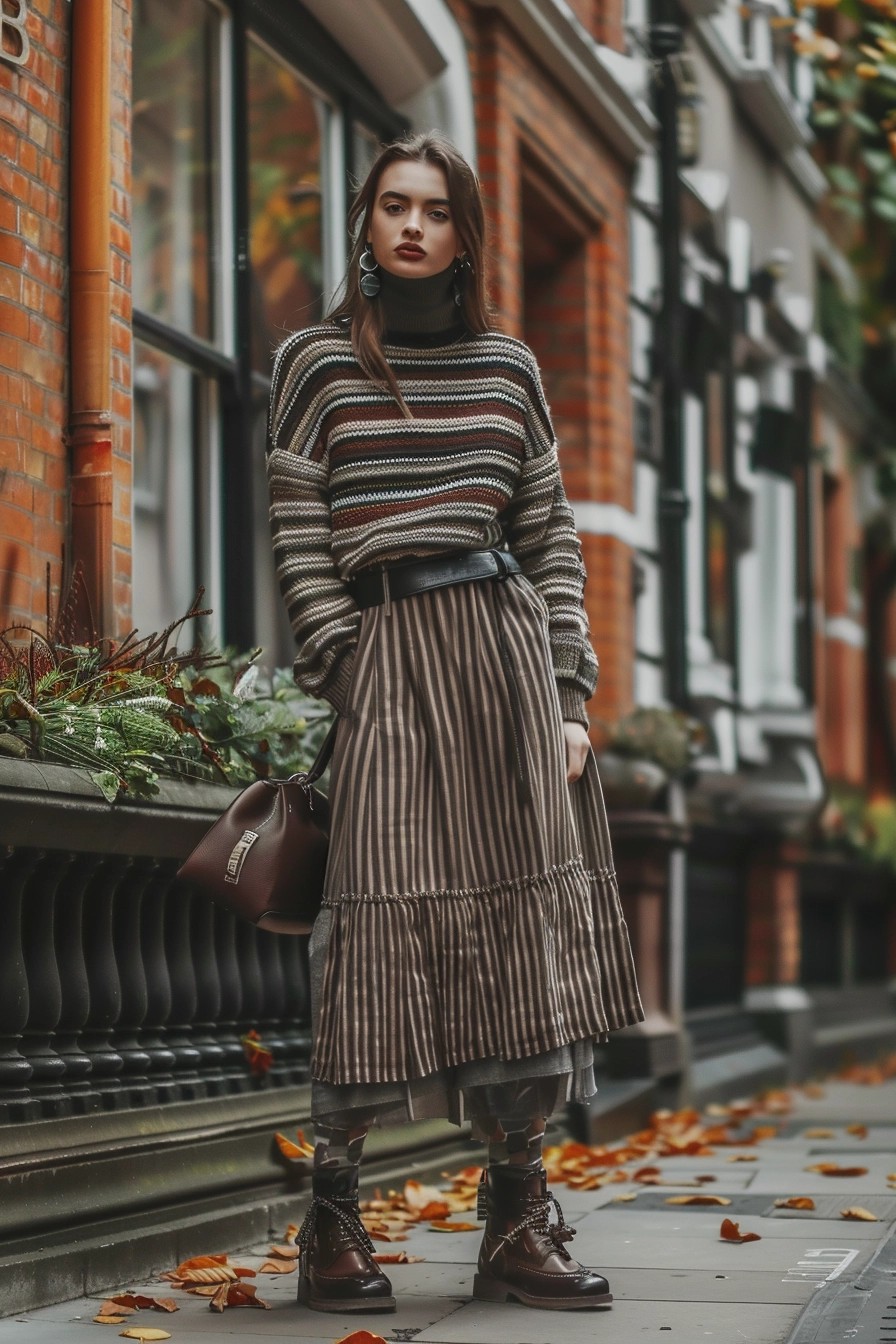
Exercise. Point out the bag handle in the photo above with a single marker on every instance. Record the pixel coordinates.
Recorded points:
(322, 759)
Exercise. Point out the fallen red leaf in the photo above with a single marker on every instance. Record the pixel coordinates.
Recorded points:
(698, 1199)
(361, 1337)
(730, 1231)
(258, 1056)
(397, 1258)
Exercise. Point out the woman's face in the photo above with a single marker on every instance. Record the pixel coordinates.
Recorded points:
(411, 227)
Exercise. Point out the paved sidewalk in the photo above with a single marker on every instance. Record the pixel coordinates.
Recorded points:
(669, 1271)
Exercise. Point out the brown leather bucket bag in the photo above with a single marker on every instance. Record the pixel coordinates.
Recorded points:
(266, 857)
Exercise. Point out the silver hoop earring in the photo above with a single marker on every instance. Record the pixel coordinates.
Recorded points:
(370, 280)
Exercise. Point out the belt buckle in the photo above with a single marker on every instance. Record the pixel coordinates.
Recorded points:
(503, 570)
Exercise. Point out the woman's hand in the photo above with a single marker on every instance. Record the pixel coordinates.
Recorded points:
(577, 748)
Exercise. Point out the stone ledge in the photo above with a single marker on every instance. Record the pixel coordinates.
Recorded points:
(110, 1253)
(59, 807)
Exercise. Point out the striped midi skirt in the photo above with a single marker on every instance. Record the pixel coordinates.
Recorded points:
(469, 934)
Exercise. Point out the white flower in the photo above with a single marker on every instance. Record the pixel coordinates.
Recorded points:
(246, 684)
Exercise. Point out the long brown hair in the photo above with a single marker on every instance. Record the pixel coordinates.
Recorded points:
(465, 197)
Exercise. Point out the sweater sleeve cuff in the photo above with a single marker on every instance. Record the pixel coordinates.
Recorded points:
(572, 703)
(336, 690)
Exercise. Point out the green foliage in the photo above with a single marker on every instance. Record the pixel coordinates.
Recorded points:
(667, 736)
(860, 828)
(128, 719)
(839, 322)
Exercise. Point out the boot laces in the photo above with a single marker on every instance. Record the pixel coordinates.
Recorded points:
(538, 1219)
(348, 1217)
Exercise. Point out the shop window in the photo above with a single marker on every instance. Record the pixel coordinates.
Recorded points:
(555, 290)
(821, 940)
(177, 129)
(719, 612)
(714, 933)
(288, 130)
(176, 425)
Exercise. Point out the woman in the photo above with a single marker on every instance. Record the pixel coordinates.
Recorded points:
(471, 948)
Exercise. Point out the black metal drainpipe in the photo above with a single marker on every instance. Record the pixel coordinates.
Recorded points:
(666, 40)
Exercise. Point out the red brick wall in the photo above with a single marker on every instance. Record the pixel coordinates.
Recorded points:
(579, 325)
(33, 317)
(842, 739)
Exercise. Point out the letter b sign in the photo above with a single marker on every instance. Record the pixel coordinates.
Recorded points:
(14, 44)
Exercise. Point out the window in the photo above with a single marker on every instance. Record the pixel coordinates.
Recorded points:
(248, 122)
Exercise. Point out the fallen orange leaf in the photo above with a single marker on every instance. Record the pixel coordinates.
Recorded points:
(284, 1252)
(439, 1225)
(436, 1208)
(112, 1307)
(624, 1199)
(143, 1332)
(698, 1199)
(742, 1157)
(294, 1151)
(200, 1262)
(860, 1131)
(140, 1302)
(858, 1215)
(278, 1267)
(213, 1274)
(102, 1319)
(795, 1202)
(417, 1196)
(813, 1090)
(237, 1295)
(291, 1233)
(731, 1232)
(818, 1133)
(833, 1169)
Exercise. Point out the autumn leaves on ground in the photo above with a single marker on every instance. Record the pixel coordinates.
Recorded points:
(387, 1217)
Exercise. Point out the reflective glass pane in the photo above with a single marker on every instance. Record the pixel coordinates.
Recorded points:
(176, 163)
(175, 492)
(287, 128)
(365, 147)
(718, 542)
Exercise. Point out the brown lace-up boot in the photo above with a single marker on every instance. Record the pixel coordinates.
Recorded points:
(523, 1256)
(337, 1271)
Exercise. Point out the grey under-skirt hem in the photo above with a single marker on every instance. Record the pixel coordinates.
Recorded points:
(514, 1089)
(509, 1090)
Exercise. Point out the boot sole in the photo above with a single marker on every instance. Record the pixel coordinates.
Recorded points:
(347, 1304)
(494, 1290)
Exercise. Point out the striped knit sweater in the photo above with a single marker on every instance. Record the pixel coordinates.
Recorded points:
(353, 483)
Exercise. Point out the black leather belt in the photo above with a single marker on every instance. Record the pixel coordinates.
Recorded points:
(391, 583)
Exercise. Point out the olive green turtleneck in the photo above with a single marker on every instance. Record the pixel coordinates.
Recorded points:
(419, 307)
